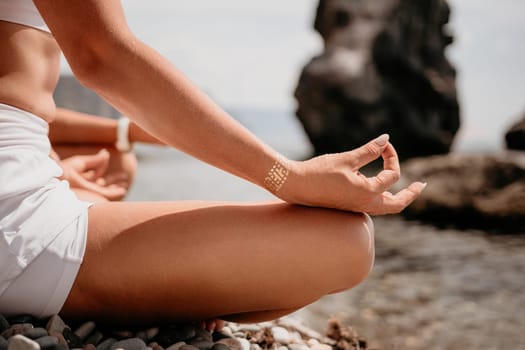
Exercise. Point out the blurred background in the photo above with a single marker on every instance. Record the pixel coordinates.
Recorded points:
(433, 286)
(248, 56)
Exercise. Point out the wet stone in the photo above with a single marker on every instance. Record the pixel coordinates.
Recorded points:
(85, 330)
(55, 324)
(47, 342)
(130, 344)
(35, 333)
(19, 342)
(89, 347)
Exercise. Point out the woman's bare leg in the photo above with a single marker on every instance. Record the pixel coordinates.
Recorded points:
(168, 262)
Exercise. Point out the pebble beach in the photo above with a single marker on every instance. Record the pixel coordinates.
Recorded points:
(27, 333)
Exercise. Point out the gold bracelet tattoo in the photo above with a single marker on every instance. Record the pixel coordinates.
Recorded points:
(276, 177)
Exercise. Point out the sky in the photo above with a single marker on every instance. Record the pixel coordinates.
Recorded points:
(249, 54)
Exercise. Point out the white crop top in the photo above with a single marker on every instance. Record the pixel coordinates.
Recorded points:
(22, 12)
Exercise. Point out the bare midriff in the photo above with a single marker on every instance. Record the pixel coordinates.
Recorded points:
(29, 69)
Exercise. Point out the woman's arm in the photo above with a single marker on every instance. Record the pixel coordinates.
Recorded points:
(71, 127)
(108, 58)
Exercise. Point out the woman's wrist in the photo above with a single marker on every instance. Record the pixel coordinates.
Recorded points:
(282, 177)
(123, 143)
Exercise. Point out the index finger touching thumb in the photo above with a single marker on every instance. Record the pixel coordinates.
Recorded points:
(370, 151)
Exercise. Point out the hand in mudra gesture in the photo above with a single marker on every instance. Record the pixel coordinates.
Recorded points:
(334, 181)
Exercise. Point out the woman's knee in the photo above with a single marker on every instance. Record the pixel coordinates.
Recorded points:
(358, 250)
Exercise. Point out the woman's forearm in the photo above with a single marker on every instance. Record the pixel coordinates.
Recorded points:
(72, 127)
(75, 127)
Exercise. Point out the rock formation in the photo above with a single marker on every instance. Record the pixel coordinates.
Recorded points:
(515, 136)
(479, 191)
(383, 70)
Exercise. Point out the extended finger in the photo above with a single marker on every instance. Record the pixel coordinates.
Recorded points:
(369, 152)
(395, 203)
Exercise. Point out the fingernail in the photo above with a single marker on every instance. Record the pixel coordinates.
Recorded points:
(424, 185)
(382, 140)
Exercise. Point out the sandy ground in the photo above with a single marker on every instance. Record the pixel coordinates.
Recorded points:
(430, 288)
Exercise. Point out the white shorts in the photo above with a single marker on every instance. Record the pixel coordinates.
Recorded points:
(43, 225)
(43, 287)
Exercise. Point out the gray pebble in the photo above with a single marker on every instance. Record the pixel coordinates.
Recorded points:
(130, 344)
(19, 342)
(106, 344)
(94, 338)
(55, 324)
(35, 333)
(47, 342)
(89, 347)
(239, 334)
(85, 329)
(255, 347)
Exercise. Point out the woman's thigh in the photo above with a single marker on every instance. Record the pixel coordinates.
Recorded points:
(197, 260)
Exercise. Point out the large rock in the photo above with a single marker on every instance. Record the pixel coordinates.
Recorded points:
(515, 136)
(383, 70)
(478, 191)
